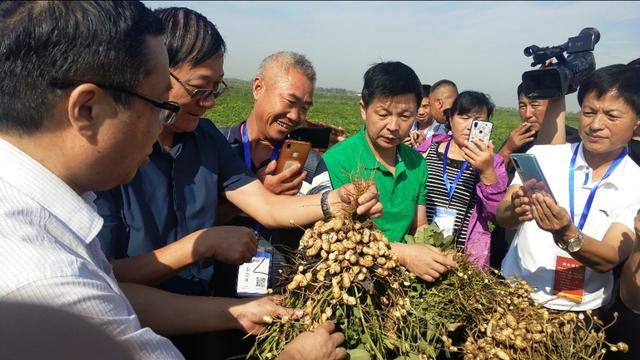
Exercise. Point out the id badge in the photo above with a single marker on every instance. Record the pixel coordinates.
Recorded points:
(253, 276)
(568, 281)
(445, 218)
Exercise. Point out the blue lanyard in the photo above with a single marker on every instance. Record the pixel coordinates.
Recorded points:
(451, 188)
(247, 147)
(247, 158)
(592, 193)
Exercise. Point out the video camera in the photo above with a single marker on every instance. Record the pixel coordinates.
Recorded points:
(566, 75)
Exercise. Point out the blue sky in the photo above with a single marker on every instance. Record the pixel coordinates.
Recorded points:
(476, 44)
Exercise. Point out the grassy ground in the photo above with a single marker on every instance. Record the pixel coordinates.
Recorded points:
(341, 110)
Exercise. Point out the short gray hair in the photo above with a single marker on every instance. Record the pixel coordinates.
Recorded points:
(287, 60)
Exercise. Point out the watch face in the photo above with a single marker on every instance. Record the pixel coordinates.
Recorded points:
(574, 244)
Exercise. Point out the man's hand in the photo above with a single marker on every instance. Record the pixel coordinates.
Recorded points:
(414, 139)
(519, 136)
(521, 205)
(321, 344)
(368, 203)
(480, 157)
(551, 217)
(426, 261)
(253, 314)
(229, 244)
(337, 133)
(287, 182)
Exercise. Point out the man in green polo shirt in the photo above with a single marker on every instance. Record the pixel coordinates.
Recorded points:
(390, 98)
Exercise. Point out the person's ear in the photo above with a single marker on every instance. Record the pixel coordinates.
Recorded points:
(363, 110)
(87, 109)
(258, 87)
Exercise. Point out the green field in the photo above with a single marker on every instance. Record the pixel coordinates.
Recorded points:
(341, 110)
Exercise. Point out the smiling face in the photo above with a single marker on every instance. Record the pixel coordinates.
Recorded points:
(389, 120)
(282, 101)
(207, 75)
(606, 123)
(461, 124)
(532, 111)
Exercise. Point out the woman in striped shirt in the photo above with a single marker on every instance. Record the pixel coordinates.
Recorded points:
(466, 180)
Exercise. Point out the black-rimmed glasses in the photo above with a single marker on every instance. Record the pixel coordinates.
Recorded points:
(168, 109)
(202, 94)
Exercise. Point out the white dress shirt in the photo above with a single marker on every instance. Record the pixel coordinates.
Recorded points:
(49, 254)
(532, 253)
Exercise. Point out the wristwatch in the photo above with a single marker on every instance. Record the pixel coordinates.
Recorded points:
(573, 244)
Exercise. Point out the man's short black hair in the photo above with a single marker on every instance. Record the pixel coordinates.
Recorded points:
(89, 41)
(635, 64)
(387, 79)
(426, 90)
(521, 90)
(190, 37)
(624, 79)
(443, 82)
(469, 101)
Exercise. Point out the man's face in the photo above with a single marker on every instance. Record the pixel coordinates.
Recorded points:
(128, 138)
(207, 75)
(607, 123)
(389, 120)
(532, 111)
(424, 111)
(282, 100)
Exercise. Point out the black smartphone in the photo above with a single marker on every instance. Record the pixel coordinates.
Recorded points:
(317, 136)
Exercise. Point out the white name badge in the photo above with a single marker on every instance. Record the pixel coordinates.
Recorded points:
(253, 276)
(445, 218)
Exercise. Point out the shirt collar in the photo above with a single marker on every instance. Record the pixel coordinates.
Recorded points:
(615, 179)
(42, 186)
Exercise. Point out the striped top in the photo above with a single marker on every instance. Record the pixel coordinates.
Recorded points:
(49, 254)
(464, 196)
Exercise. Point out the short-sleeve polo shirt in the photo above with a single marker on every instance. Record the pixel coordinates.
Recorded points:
(399, 193)
(173, 195)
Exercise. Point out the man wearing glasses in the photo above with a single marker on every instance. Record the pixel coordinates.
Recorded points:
(83, 89)
(161, 229)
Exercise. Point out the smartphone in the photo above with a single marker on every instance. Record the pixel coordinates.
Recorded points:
(531, 174)
(317, 136)
(480, 130)
(292, 152)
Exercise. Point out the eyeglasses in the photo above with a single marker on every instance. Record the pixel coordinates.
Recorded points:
(202, 94)
(168, 109)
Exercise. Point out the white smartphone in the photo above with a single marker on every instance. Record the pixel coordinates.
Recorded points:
(531, 174)
(480, 130)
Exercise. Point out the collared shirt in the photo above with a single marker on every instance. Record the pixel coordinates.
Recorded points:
(399, 193)
(173, 195)
(49, 254)
(533, 253)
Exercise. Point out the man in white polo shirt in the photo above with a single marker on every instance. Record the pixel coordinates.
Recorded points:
(568, 251)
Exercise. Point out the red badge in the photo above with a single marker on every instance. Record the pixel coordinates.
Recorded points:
(569, 278)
